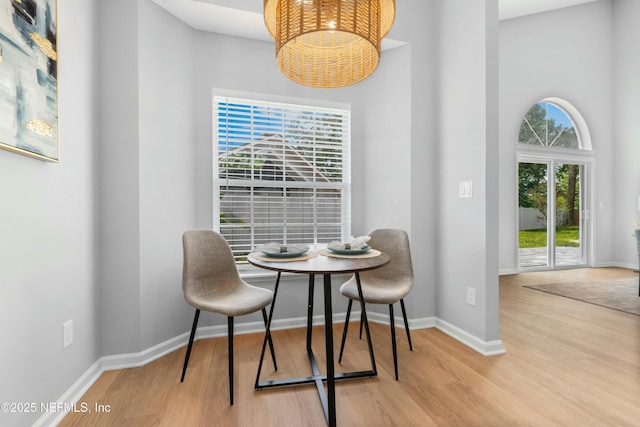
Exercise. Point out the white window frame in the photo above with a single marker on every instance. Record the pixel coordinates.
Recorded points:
(578, 122)
(290, 104)
(583, 155)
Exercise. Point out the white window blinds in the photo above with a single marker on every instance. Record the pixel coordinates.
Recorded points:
(282, 173)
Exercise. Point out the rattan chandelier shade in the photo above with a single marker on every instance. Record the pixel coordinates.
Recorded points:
(328, 43)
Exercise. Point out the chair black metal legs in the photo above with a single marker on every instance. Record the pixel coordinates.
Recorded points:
(393, 340)
(393, 332)
(406, 323)
(346, 327)
(230, 341)
(230, 348)
(193, 333)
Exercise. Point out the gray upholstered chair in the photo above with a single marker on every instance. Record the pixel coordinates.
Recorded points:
(210, 282)
(385, 285)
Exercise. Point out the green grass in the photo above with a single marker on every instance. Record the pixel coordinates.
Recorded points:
(566, 236)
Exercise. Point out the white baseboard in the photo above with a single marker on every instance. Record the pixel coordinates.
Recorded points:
(507, 271)
(72, 395)
(486, 348)
(383, 318)
(133, 360)
(619, 264)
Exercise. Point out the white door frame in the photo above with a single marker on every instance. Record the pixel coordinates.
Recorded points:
(551, 157)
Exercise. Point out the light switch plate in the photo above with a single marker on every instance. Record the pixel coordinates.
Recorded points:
(471, 295)
(466, 189)
(67, 333)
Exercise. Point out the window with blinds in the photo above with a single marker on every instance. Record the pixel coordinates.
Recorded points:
(282, 173)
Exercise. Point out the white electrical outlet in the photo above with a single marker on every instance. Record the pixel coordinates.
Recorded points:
(471, 296)
(67, 333)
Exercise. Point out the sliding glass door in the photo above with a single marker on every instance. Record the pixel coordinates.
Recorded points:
(551, 216)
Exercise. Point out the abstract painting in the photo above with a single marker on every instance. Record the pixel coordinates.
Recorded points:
(29, 78)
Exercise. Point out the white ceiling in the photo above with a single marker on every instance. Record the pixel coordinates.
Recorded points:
(243, 18)
(514, 8)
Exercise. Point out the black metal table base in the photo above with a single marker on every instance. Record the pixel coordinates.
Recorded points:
(327, 397)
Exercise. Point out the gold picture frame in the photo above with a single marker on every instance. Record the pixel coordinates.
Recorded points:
(29, 78)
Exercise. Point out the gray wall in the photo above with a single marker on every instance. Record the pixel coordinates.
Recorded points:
(467, 238)
(146, 178)
(118, 156)
(626, 130)
(136, 171)
(393, 126)
(567, 54)
(159, 146)
(96, 238)
(48, 236)
(381, 135)
(166, 147)
(410, 98)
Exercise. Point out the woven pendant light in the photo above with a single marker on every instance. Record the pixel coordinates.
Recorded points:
(328, 43)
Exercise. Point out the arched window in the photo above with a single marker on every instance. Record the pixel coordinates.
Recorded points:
(554, 123)
(546, 124)
(554, 161)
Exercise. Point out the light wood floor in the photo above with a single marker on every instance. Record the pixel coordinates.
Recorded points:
(568, 363)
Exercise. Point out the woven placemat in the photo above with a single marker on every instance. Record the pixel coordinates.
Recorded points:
(263, 257)
(372, 253)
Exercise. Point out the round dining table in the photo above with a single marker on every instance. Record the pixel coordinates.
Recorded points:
(326, 264)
